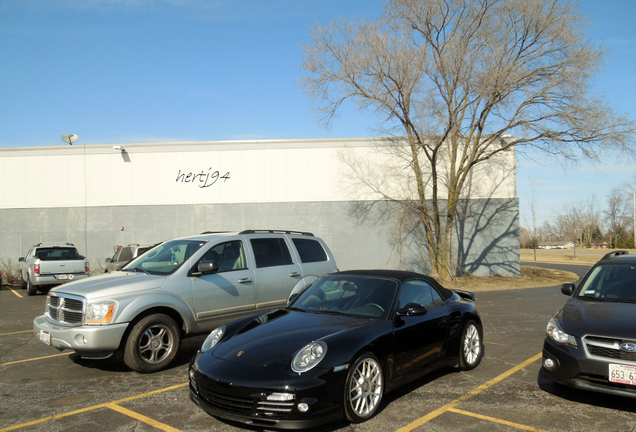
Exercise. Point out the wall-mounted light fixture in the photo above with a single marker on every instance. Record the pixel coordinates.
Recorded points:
(116, 147)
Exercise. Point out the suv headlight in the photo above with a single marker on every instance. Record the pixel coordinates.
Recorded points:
(309, 357)
(554, 332)
(100, 312)
(213, 338)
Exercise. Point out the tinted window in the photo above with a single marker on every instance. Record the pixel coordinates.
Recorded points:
(420, 292)
(309, 250)
(270, 252)
(57, 253)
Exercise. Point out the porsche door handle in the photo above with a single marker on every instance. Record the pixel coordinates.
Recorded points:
(245, 280)
(294, 274)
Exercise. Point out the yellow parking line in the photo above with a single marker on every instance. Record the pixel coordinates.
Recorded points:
(18, 332)
(91, 408)
(142, 418)
(496, 420)
(36, 358)
(430, 416)
(15, 292)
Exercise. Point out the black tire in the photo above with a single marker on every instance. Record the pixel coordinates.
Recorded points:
(152, 344)
(364, 388)
(471, 347)
(22, 283)
(31, 290)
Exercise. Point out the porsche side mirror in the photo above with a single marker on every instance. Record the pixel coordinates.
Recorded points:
(567, 288)
(206, 267)
(412, 309)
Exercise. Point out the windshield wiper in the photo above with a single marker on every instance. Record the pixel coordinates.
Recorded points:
(328, 312)
(136, 269)
(291, 308)
(598, 299)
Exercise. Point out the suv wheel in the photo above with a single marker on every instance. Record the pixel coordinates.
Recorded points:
(152, 344)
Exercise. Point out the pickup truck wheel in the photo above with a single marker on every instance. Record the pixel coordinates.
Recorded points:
(152, 344)
(22, 283)
(30, 289)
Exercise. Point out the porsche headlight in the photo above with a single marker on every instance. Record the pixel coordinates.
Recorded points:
(100, 312)
(309, 356)
(555, 333)
(213, 338)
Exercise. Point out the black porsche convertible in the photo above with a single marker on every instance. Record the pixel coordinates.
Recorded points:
(335, 350)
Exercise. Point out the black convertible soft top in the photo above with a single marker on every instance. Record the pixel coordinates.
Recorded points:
(403, 276)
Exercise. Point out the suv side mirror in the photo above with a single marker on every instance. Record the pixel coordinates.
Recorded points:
(412, 309)
(108, 260)
(21, 259)
(568, 288)
(205, 267)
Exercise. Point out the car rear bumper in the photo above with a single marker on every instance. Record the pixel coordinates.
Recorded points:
(44, 280)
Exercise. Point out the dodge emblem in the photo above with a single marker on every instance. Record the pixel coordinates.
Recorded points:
(628, 347)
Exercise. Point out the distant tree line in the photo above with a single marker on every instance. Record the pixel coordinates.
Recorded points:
(584, 222)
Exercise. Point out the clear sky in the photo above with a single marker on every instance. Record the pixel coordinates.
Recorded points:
(121, 71)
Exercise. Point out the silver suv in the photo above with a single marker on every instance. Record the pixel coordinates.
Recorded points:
(182, 287)
(123, 255)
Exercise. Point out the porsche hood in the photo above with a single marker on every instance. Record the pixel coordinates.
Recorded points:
(278, 336)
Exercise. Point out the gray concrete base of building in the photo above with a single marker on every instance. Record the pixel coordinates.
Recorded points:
(486, 232)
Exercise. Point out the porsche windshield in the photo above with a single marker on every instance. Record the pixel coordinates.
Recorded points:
(358, 296)
(611, 282)
(165, 258)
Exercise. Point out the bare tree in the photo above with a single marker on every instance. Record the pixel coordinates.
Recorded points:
(619, 215)
(457, 82)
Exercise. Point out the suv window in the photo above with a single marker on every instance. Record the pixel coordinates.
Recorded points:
(125, 255)
(309, 250)
(229, 256)
(269, 252)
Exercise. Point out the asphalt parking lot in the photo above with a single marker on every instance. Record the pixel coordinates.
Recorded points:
(43, 389)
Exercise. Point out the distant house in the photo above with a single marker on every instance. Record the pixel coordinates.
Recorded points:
(599, 244)
(565, 244)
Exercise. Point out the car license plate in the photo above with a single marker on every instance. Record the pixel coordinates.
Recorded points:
(45, 337)
(61, 277)
(622, 374)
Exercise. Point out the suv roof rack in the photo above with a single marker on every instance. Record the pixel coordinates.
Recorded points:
(614, 253)
(54, 244)
(213, 232)
(276, 232)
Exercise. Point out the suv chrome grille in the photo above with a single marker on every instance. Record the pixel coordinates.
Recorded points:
(608, 349)
(65, 310)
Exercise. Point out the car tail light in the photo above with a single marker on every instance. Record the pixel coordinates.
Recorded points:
(36, 269)
(87, 267)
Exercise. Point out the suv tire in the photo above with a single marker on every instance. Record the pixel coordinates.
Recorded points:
(152, 343)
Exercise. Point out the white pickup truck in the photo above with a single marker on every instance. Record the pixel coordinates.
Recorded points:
(50, 264)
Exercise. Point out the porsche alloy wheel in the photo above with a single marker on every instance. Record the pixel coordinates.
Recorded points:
(471, 350)
(364, 388)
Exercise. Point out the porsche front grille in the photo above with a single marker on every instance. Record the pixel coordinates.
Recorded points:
(245, 406)
(65, 310)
